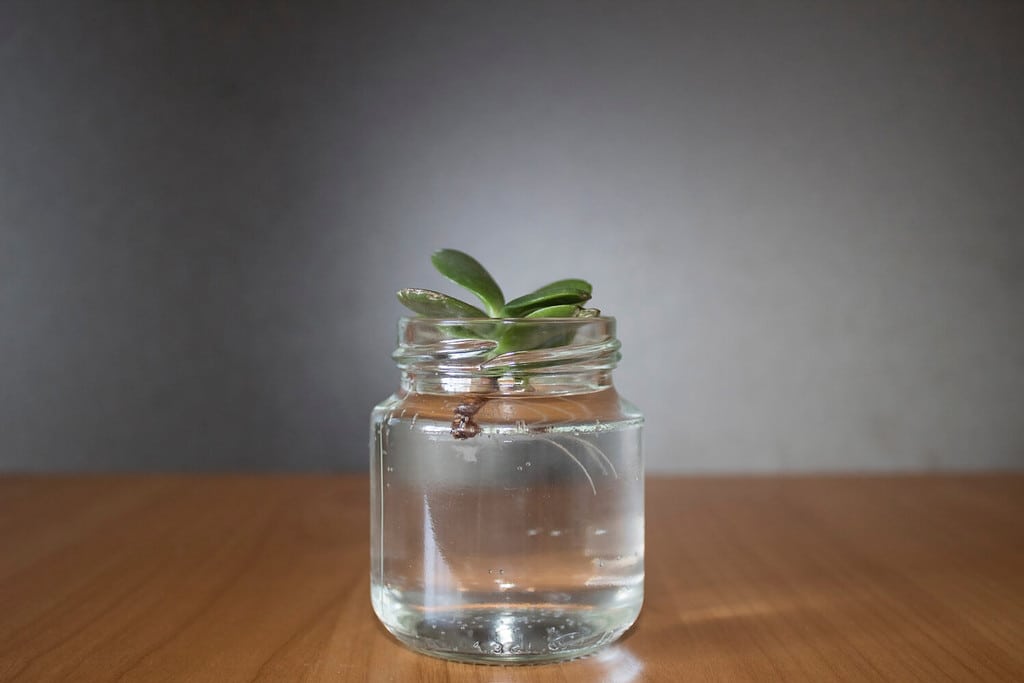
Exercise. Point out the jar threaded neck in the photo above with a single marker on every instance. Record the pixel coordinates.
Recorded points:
(506, 355)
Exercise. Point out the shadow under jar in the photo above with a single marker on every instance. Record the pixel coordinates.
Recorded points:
(507, 513)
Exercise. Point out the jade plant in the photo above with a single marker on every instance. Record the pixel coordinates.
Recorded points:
(559, 299)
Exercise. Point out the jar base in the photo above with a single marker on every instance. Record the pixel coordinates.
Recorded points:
(511, 636)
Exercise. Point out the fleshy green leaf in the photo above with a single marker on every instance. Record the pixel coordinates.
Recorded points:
(561, 292)
(464, 270)
(525, 335)
(569, 283)
(560, 311)
(437, 305)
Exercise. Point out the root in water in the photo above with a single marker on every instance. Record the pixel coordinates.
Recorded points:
(463, 427)
(576, 460)
(598, 455)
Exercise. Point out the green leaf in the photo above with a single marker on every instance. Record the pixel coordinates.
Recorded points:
(569, 283)
(464, 270)
(526, 335)
(560, 311)
(561, 292)
(437, 305)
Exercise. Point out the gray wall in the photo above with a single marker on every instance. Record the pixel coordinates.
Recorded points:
(806, 216)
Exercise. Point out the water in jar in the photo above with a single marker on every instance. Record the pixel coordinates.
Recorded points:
(515, 544)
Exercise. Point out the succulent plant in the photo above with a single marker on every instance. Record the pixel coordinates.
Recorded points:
(559, 299)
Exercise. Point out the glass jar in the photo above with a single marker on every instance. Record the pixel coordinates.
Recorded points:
(507, 513)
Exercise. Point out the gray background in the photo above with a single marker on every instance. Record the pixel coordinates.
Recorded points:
(807, 218)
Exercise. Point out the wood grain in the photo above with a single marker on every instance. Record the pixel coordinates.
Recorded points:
(229, 578)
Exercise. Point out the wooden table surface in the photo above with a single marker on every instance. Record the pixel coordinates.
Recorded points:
(240, 578)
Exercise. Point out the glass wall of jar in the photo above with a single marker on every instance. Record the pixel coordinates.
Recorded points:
(507, 514)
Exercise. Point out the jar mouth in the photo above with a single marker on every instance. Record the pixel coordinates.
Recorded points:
(493, 347)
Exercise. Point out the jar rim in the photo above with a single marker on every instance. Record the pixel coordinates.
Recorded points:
(459, 321)
(506, 346)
